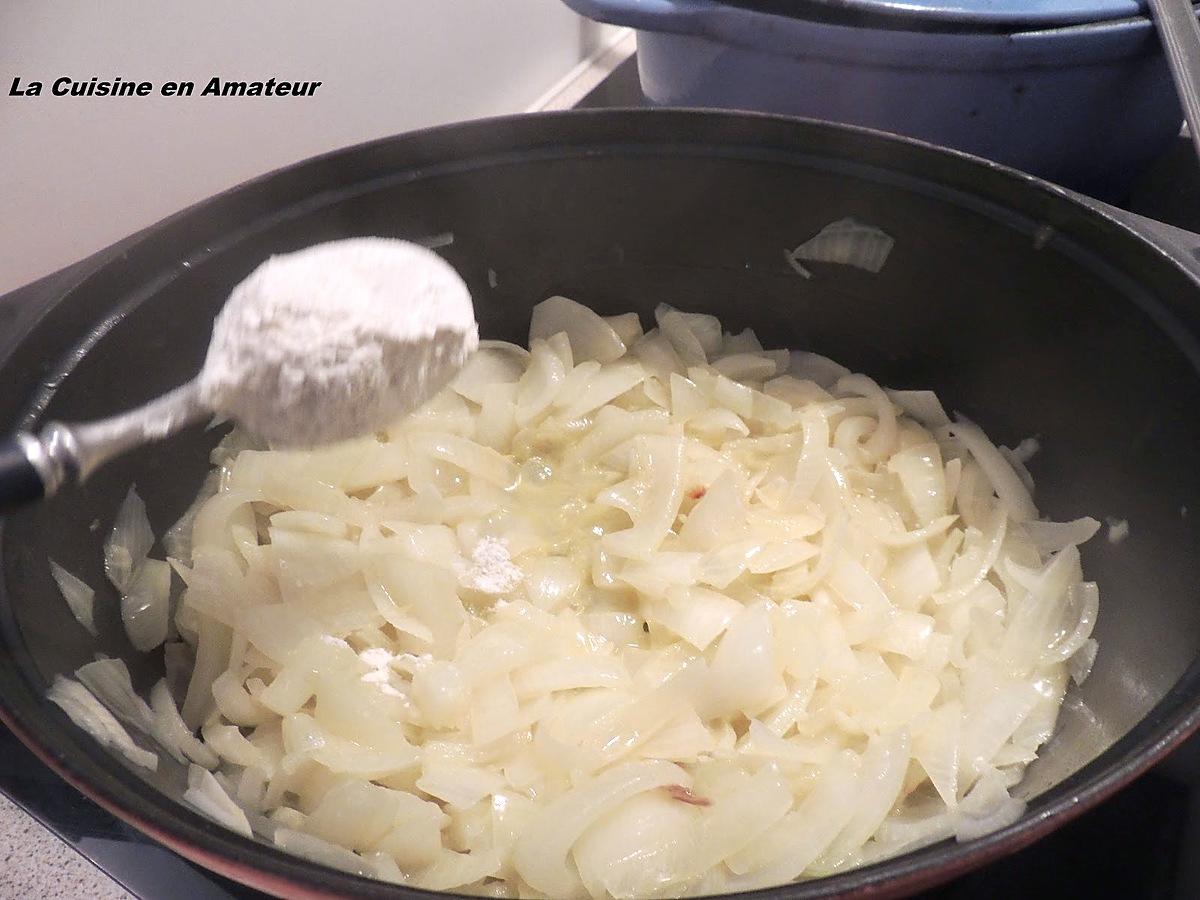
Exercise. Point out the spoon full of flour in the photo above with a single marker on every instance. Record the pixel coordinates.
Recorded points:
(337, 340)
(322, 345)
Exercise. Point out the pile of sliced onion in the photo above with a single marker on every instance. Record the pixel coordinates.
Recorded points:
(773, 622)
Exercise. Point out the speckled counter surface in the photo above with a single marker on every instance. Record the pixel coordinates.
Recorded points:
(36, 864)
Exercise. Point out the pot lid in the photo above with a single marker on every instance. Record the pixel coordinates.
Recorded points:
(1003, 15)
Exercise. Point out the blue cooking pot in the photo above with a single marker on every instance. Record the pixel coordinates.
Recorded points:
(1087, 104)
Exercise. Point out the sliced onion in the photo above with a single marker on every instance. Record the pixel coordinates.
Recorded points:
(469, 456)
(487, 367)
(354, 814)
(178, 661)
(109, 681)
(803, 834)
(745, 670)
(628, 327)
(605, 387)
(676, 329)
(819, 369)
(539, 385)
(1080, 665)
(170, 731)
(1086, 597)
(90, 714)
(987, 807)
(129, 542)
(663, 462)
(882, 441)
(740, 818)
(637, 847)
(696, 614)
(79, 596)
(178, 538)
(228, 742)
(1050, 537)
(458, 870)
(924, 406)
(459, 786)
(936, 749)
(591, 337)
(540, 854)
(790, 258)
(707, 330)
(322, 852)
(146, 605)
(849, 243)
(1005, 481)
(882, 769)
(505, 347)
(706, 563)
(208, 797)
(746, 366)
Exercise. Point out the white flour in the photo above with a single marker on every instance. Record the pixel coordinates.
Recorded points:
(380, 660)
(337, 340)
(492, 570)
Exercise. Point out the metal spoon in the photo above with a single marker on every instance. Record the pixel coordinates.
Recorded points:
(401, 280)
(36, 466)
(1176, 23)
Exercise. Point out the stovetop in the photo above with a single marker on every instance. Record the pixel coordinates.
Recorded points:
(1143, 843)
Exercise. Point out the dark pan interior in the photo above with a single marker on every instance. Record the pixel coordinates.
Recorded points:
(1027, 312)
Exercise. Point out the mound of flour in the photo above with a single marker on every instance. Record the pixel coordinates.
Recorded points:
(337, 340)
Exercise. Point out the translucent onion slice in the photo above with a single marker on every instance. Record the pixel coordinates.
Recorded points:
(1050, 537)
(145, 607)
(662, 460)
(205, 793)
(91, 715)
(675, 327)
(540, 854)
(849, 243)
(170, 731)
(109, 681)
(638, 847)
(821, 370)
(487, 367)
(924, 406)
(539, 385)
(129, 542)
(458, 870)
(79, 596)
(1007, 484)
(591, 336)
(319, 851)
(627, 326)
(804, 834)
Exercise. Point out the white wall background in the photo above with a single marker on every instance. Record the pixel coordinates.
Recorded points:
(77, 174)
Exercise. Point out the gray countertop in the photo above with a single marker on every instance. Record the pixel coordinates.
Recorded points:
(35, 863)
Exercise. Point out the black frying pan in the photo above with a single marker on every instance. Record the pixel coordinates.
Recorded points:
(1024, 309)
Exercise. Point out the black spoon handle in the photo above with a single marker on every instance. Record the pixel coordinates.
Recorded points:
(20, 480)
